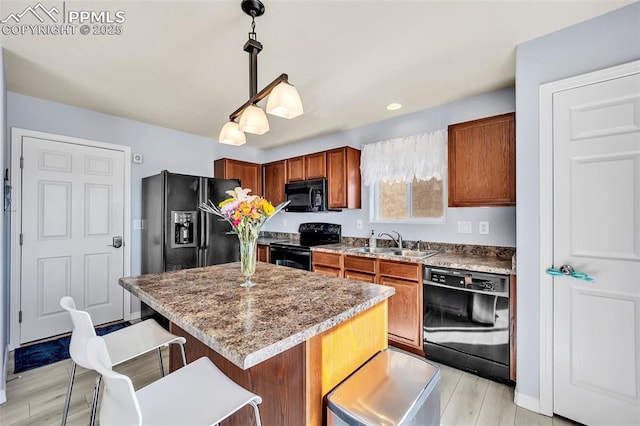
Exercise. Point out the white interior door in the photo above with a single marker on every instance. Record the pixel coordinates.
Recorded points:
(72, 207)
(596, 142)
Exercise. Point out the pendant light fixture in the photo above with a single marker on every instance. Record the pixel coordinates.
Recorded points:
(284, 100)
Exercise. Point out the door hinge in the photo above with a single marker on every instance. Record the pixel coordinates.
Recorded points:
(20, 316)
(21, 238)
(21, 162)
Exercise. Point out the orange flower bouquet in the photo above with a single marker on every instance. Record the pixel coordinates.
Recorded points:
(246, 214)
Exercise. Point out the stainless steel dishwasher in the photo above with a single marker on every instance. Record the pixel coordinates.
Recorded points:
(466, 320)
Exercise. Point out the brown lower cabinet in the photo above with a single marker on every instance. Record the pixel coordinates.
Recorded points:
(327, 264)
(405, 306)
(263, 253)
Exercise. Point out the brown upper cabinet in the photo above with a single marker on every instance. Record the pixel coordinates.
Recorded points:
(274, 177)
(343, 176)
(295, 169)
(250, 174)
(305, 167)
(482, 168)
(315, 165)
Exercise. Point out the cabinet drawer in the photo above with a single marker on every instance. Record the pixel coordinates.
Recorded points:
(328, 259)
(360, 276)
(362, 264)
(326, 270)
(409, 271)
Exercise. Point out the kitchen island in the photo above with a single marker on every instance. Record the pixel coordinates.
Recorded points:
(290, 339)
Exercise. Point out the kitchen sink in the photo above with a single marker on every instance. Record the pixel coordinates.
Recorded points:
(379, 250)
(394, 251)
(412, 253)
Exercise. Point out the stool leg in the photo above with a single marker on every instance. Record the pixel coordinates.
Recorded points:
(68, 400)
(94, 404)
(160, 362)
(257, 412)
(184, 357)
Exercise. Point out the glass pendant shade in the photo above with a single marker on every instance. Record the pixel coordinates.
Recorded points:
(231, 134)
(284, 101)
(254, 120)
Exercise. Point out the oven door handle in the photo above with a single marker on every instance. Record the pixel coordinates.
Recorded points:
(467, 290)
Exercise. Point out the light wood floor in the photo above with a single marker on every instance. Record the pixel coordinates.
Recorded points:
(36, 397)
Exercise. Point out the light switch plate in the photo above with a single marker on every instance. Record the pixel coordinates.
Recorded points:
(464, 227)
(359, 224)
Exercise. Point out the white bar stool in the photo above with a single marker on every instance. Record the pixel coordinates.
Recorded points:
(196, 394)
(122, 345)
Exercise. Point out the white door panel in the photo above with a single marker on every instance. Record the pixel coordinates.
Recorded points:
(72, 207)
(596, 140)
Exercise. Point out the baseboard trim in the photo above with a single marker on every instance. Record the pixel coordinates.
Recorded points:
(525, 401)
(3, 379)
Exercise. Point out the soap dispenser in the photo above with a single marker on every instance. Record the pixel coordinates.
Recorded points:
(372, 239)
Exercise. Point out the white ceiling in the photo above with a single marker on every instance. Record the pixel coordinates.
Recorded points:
(180, 64)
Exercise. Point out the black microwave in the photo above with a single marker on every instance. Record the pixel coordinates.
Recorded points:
(307, 196)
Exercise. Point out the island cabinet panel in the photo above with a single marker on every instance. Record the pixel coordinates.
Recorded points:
(263, 253)
(274, 176)
(343, 178)
(482, 167)
(315, 165)
(335, 354)
(294, 383)
(250, 174)
(279, 380)
(295, 169)
(329, 264)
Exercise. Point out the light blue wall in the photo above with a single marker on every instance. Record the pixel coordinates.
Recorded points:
(4, 288)
(501, 219)
(162, 149)
(602, 42)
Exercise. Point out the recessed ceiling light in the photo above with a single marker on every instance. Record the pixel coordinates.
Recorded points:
(394, 106)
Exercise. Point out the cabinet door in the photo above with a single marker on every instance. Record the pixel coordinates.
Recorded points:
(295, 169)
(315, 165)
(250, 174)
(343, 177)
(360, 276)
(404, 311)
(482, 162)
(263, 253)
(274, 179)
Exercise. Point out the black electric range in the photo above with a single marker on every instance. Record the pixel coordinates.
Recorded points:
(298, 254)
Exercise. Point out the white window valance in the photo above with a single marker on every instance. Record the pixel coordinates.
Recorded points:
(422, 157)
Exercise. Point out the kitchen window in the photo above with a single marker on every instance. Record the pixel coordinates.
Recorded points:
(418, 201)
(406, 178)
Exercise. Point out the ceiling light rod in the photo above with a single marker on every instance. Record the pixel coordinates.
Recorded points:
(259, 96)
(284, 100)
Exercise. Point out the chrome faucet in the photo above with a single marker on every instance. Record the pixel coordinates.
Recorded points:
(397, 241)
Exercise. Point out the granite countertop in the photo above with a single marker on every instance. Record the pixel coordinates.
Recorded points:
(247, 326)
(470, 262)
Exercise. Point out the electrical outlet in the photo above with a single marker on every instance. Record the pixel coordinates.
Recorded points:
(137, 224)
(359, 224)
(464, 227)
(284, 222)
(483, 227)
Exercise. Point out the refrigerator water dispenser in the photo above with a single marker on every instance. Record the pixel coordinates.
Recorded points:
(183, 228)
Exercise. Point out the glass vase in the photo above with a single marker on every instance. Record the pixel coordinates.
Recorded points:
(248, 254)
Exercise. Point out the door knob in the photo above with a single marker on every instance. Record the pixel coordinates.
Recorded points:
(569, 271)
(117, 242)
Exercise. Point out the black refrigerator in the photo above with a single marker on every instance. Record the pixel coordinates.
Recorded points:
(176, 234)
